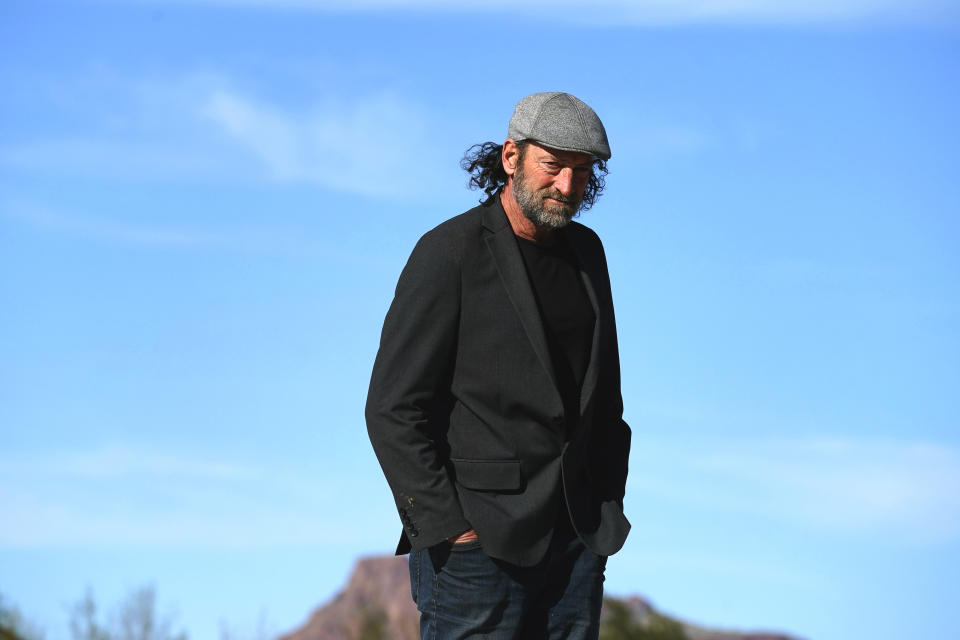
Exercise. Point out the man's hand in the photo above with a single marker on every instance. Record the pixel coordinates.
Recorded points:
(467, 536)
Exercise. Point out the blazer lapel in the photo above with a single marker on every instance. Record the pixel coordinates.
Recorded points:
(506, 255)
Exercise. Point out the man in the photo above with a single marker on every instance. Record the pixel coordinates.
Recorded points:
(494, 406)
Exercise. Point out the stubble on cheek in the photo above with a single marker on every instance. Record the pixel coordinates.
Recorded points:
(545, 207)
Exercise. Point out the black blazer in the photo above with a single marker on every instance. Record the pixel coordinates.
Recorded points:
(463, 410)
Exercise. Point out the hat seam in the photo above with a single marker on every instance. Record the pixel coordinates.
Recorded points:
(583, 125)
(536, 116)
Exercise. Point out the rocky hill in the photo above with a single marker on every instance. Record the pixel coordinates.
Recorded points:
(376, 605)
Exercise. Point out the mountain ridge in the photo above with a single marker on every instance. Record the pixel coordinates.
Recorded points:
(375, 604)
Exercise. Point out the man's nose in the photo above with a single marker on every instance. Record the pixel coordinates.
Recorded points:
(564, 181)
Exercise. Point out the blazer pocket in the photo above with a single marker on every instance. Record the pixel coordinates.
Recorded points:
(488, 475)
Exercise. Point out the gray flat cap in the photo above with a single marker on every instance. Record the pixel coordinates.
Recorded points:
(560, 121)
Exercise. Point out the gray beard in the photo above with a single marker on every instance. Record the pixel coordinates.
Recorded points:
(551, 216)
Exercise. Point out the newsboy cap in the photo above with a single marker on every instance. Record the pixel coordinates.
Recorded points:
(560, 121)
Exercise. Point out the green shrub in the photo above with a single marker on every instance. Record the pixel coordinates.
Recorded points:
(619, 624)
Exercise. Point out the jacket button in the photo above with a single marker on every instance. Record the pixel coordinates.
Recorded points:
(413, 532)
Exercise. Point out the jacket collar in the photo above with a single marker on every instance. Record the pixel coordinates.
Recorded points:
(494, 218)
(503, 246)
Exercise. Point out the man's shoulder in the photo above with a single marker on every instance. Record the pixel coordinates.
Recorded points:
(458, 229)
(582, 235)
(465, 222)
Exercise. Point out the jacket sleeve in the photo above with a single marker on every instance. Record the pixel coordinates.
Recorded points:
(611, 443)
(409, 397)
(611, 447)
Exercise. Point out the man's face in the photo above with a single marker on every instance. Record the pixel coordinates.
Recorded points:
(548, 184)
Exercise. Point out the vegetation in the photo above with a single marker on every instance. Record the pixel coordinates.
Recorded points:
(13, 626)
(373, 626)
(136, 618)
(620, 624)
(262, 631)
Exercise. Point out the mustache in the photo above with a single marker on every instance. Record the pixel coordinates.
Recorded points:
(556, 195)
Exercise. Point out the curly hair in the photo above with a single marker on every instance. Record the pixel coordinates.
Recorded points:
(484, 163)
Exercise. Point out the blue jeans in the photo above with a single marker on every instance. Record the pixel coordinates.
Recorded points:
(463, 593)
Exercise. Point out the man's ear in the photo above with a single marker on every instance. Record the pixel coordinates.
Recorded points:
(509, 156)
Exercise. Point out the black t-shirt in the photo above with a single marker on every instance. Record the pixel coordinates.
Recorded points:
(567, 315)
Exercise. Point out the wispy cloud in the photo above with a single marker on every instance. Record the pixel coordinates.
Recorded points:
(200, 129)
(150, 131)
(900, 489)
(124, 494)
(223, 521)
(218, 234)
(197, 128)
(648, 12)
(272, 238)
(364, 146)
(106, 156)
(118, 461)
(137, 234)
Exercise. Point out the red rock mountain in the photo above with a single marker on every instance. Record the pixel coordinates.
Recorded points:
(376, 605)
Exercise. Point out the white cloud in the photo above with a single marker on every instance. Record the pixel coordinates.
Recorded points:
(139, 234)
(899, 489)
(224, 521)
(118, 461)
(271, 237)
(122, 494)
(648, 12)
(196, 128)
(113, 158)
(376, 146)
(150, 131)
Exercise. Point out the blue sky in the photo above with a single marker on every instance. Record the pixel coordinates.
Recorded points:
(204, 207)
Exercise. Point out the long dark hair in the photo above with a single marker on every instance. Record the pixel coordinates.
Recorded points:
(484, 163)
